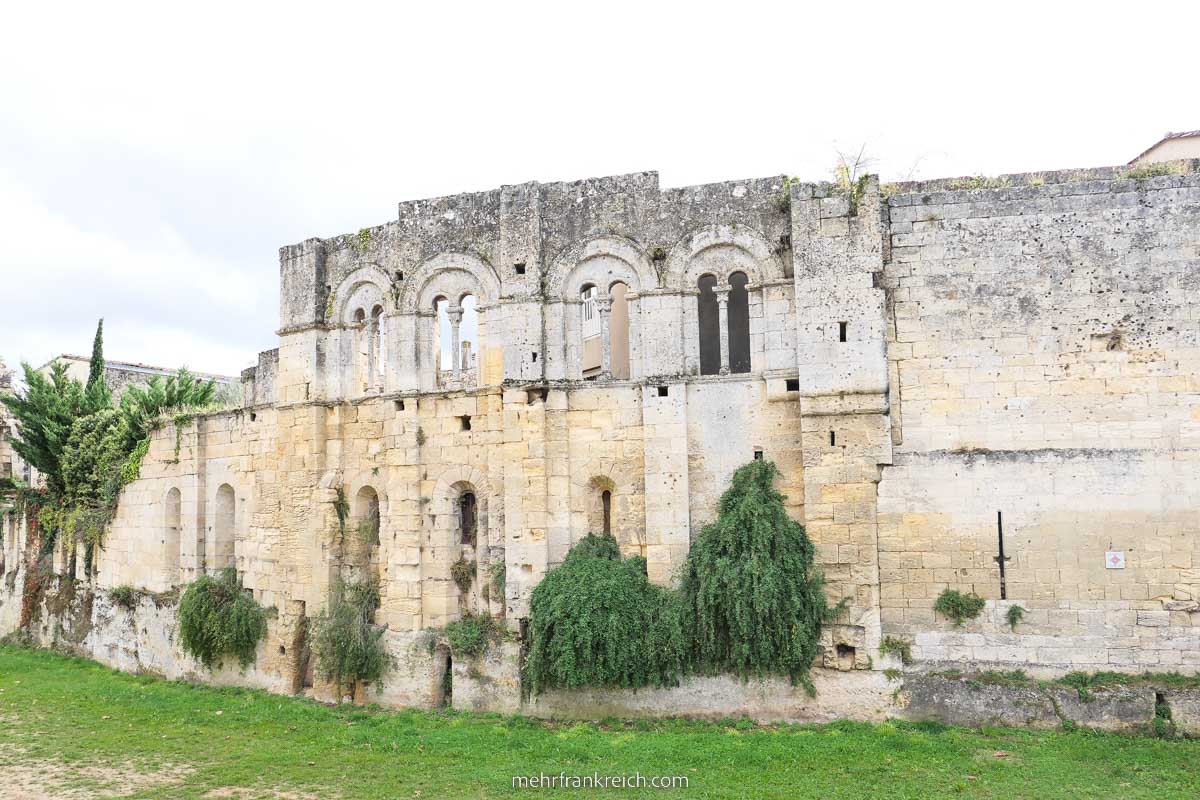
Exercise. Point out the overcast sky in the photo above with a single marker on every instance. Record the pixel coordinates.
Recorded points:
(153, 159)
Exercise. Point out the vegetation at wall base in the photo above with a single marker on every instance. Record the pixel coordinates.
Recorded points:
(958, 607)
(74, 728)
(217, 618)
(348, 645)
(897, 646)
(470, 636)
(596, 620)
(753, 600)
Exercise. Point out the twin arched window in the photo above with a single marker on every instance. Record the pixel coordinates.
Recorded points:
(457, 334)
(370, 348)
(723, 313)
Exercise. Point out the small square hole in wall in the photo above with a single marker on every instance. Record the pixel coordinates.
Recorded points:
(465, 419)
(535, 357)
(399, 277)
(253, 416)
(758, 455)
(793, 384)
(519, 268)
(663, 391)
(842, 331)
(399, 405)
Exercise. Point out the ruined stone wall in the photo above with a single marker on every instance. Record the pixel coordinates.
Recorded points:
(1046, 351)
(921, 361)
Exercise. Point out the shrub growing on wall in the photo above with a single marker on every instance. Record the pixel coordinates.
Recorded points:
(348, 646)
(752, 598)
(596, 620)
(217, 618)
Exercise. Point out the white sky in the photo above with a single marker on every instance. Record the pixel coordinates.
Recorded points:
(153, 158)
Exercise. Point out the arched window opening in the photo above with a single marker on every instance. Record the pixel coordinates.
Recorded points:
(468, 333)
(362, 351)
(592, 354)
(739, 323)
(709, 319)
(606, 505)
(468, 518)
(618, 336)
(171, 525)
(378, 357)
(223, 529)
(442, 307)
(360, 546)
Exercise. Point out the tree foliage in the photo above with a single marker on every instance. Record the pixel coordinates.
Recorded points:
(598, 621)
(752, 599)
(217, 618)
(44, 413)
(142, 408)
(349, 647)
(96, 388)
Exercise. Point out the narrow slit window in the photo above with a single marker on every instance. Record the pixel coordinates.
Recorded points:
(467, 517)
(606, 502)
(842, 331)
(832, 438)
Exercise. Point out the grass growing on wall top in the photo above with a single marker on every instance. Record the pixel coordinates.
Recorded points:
(75, 728)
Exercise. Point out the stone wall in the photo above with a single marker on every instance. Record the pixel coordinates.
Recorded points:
(928, 362)
(1047, 350)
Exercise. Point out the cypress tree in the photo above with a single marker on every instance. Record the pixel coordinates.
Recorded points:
(98, 395)
(751, 595)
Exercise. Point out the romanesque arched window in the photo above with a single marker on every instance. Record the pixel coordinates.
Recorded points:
(708, 314)
(738, 329)
(224, 520)
(468, 518)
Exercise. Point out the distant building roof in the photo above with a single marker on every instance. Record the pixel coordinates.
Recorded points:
(147, 369)
(1166, 138)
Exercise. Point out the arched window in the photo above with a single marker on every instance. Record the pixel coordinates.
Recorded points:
(362, 351)
(377, 357)
(445, 358)
(709, 318)
(468, 333)
(468, 519)
(739, 323)
(591, 352)
(618, 335)
(223, 529)
(360, 547)
(606, 508)
(171, 525)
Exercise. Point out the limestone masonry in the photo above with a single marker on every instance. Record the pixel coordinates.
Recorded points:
(942, 374)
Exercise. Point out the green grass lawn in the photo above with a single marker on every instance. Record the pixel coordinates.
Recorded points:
(72, 728)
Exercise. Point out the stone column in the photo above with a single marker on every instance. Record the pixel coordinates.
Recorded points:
(604, 309)
(372, 329)
(456, 314)
(722, 293)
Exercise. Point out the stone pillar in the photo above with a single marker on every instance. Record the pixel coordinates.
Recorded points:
(722, 293)
(604, 309)
(456, 314)
(466, 356)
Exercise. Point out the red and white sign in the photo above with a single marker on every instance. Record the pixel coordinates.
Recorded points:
(1115, 559)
